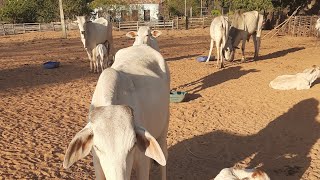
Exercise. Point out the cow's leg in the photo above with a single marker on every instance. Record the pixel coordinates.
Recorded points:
(221, 56)
(243, 59)
(256, 42)
(211, 47)
(163, 144)
(97, 166)
(142, 166)
(218, 54)
(102, 61)
(90, 60)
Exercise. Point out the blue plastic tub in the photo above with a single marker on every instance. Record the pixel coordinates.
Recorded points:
(51, 64)
(204, 58)
(177, 96)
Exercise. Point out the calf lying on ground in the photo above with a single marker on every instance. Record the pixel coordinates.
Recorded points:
(241, 174)
(298, 81)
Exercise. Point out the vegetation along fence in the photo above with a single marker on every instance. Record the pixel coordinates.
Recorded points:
(175, 23)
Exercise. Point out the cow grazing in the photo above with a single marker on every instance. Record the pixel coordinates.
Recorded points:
(243, 26)
(219, 31)
(128, 118)
(241, 174)
(297, 81)
(145, 36)
(93, 33)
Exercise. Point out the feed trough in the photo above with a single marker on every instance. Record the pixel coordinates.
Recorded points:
(177, 96)
(51, 64)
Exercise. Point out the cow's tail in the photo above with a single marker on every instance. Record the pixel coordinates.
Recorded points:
(225, 26)
(211, 47)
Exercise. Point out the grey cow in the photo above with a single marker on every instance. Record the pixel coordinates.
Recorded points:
(243, 26)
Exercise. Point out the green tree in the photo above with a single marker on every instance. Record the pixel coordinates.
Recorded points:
(16, 11)
(176, 7)
(74, 8)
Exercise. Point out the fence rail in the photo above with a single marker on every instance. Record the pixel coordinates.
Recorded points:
(175, 23)
(134, 25)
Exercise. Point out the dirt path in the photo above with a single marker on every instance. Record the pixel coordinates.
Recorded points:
(230, 117)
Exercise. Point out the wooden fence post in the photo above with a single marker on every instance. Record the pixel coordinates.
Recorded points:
(186, 18)
(177, 22)
(172, 24)
(119, 25)
(24, 28)
(202, 22)
(137, 25)
(39, 27)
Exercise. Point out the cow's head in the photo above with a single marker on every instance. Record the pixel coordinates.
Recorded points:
(114, 138)
(229, 50)
(145, 36)
(82, 24)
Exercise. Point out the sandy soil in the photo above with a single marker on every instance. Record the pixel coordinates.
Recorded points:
(230, 118)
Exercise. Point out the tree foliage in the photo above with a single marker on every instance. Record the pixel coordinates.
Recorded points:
(18, 11)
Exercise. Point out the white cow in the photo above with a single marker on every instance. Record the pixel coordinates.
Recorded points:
(219, 31)
(317, 26)
(145, 36)
(243, 26)
(129, 116)
(93, 33)
(101, 53)
(298, 81)
(241, 174)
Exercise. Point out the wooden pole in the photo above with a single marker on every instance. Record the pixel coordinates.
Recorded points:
(63, 26)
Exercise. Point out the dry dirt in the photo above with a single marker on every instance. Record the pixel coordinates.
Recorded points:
(230, 117)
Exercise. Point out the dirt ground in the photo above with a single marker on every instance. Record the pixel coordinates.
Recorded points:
(230, 116)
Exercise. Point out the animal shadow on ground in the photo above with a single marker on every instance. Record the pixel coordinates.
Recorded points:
(34, 75)
(281, 148)
(216, 78)
(270, 55)
(279, 53)
(191, 97)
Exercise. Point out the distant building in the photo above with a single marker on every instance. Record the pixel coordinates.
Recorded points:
(137, 10)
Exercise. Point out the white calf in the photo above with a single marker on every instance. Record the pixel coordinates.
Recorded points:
(219, 31)
(101, 53)
(297, 81)
(241, 174)
(145, 36)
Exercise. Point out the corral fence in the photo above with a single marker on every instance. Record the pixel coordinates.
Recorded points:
(134, 25)
(297, 26)
(10, 29)
(174, 23)
(302, 26)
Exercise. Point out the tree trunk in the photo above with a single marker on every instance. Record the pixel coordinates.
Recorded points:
(63, 25)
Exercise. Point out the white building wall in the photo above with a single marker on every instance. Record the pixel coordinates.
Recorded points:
(154, 10)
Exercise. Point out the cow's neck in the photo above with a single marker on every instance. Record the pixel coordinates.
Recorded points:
(113, 88)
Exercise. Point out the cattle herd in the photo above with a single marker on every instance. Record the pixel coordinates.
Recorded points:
(129, 112)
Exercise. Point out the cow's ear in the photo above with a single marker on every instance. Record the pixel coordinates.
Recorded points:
(149, 145)
(79, 147)
(131, 34)
(156, 33)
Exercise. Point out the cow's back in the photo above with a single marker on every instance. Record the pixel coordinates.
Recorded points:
(218, 28)
(99, 32)
(145, 78)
